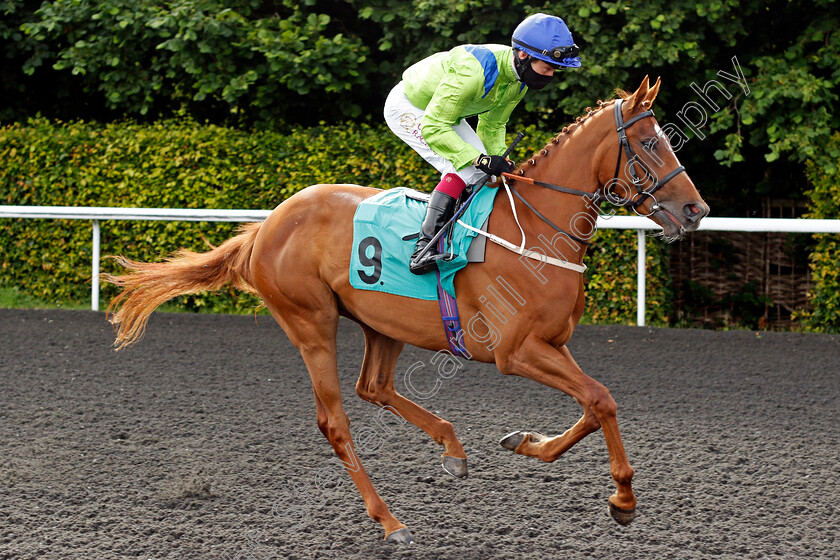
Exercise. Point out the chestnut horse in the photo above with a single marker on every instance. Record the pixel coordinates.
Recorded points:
(298, 262)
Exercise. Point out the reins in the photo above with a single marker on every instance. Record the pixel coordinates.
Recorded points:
(553, 187)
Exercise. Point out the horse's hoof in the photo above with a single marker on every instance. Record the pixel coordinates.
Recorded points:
(622, 516)
(455, 466)
(512, 440)
(401, 536)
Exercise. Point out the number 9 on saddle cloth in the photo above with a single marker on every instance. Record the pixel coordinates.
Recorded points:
(385, 228)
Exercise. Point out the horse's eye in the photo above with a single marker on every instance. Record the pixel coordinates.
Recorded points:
(650, 143)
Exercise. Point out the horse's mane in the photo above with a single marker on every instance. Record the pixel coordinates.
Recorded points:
(566, 131)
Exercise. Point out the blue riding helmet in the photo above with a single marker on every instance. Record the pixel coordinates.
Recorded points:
(547, 38)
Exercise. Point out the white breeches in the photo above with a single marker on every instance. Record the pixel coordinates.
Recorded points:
(404, 119)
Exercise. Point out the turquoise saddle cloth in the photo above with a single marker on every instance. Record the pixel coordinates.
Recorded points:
(385, 230)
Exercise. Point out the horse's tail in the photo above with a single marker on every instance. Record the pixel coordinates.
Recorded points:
(148, 285)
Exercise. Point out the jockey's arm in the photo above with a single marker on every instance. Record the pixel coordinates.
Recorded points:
(492, 126)
(460, 85)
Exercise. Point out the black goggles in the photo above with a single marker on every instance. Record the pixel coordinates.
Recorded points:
(558, 54)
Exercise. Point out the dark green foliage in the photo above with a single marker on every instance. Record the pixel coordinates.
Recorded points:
(238, 61)
(611, 279)
(257, 62)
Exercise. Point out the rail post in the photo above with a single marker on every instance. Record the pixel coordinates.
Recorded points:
(641, 279)
(94, 275)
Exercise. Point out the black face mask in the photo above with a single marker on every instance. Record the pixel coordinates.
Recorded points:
(528, 76)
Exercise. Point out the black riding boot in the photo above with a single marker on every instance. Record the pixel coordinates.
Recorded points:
(438, 213)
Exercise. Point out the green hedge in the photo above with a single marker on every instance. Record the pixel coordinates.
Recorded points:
(182, 164)
(825, 203)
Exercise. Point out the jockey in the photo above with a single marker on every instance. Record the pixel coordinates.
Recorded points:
(428, 110)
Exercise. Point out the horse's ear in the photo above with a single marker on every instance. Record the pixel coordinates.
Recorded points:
(639, 95)
(651, 94)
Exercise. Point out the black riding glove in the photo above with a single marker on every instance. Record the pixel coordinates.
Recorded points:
(494, 165)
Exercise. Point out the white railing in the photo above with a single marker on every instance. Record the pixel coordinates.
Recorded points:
(641, 225)
(757, 225)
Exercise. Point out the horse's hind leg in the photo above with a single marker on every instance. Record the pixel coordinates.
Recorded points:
(376, 385)
(313, 332)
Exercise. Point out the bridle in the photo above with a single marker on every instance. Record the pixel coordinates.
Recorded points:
(605, 193)
(633, 160)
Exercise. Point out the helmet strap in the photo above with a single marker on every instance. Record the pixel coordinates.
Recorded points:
(521, 64)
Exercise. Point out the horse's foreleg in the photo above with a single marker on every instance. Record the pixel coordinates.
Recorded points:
(314, 335)
(376, 385)
(538, 360)
(549, 449)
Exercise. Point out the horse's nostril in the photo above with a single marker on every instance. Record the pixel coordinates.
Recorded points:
(693, 211)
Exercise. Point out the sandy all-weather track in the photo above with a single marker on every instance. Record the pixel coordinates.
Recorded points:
(200, 442)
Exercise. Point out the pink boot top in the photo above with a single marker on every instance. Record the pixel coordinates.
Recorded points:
(452, 185)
